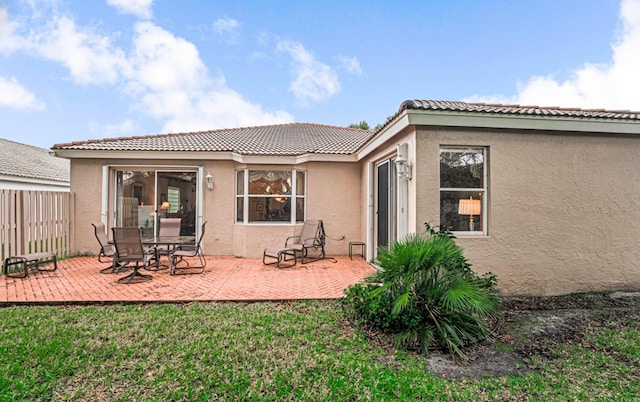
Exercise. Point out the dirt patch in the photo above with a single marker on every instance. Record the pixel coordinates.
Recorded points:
(535, 326)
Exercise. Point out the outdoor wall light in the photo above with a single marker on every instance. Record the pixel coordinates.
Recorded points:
(209, 180)
(403, 168)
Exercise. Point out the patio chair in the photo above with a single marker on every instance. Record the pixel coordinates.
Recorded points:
(310, 244)
(129, 249)
(168, 227)
(180, 256)
(107, 250)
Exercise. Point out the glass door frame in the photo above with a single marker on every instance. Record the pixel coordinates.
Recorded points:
(109, 200)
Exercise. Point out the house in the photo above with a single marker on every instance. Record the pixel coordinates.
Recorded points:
(25, 167)
(545, 198)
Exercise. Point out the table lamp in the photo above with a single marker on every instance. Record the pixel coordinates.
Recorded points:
(165, 207)
(469, 207)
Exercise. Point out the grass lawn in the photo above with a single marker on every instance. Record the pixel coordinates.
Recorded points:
(269, 351)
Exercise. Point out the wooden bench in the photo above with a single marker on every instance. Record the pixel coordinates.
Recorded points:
(283, 257)
(18, 266)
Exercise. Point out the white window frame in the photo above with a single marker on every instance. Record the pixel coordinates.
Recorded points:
(482, 189)
(294, 197)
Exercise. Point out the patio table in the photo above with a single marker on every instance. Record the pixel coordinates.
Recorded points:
(170, 241)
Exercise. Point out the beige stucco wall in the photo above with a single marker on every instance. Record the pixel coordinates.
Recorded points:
(86, 185)
(562, 208)
(384, 152)
(333, 194)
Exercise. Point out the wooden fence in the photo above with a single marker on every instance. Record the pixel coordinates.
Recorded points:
(34, 221)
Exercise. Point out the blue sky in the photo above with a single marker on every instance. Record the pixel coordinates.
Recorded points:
(77, 70)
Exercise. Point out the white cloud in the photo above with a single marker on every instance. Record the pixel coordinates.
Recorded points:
(351, 64)
(91, 58)
(613, 85)
(9, 40)
(164, 62)
(174, 85)
(163, 74)
(138, 8)
(221, 108)
(227, 27)
(313, 80)
(14, 95)
(125, 127)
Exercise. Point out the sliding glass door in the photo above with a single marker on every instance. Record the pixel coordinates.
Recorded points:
(142, 197)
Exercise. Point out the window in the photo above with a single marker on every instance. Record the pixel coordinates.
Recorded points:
(173, 197)
(463, 189)
(270, 196)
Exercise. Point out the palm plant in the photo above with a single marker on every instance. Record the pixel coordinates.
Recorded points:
(426, 293)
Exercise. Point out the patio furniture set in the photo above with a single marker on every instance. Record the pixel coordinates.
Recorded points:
(130, 250)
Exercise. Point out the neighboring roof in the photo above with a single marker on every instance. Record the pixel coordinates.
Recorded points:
(31, 162)
(517, 109)
(282, 139)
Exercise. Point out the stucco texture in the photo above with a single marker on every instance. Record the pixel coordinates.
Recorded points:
(562, 208)
(333, 195)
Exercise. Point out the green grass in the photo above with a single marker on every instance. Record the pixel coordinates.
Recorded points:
(265, 352)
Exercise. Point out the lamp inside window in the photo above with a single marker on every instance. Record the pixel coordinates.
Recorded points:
(470, 207)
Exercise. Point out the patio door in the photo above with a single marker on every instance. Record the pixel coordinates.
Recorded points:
(142, 197)
(385, 204)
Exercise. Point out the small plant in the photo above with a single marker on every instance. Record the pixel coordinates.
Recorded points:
(427, 295)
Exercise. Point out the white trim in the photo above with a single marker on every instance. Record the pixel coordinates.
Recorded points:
(522, 122)
(387, 133)
(371, 169)
(295, 220)
(200, 204)
(104, 208)
(402, 205)
(30, 183)
(484, 189)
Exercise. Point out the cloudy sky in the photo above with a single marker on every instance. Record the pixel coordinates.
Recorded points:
(77, 70)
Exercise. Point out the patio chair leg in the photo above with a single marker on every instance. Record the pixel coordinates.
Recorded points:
(135, 277)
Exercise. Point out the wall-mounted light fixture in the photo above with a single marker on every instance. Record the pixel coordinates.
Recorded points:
(209, 180)
(403, 168)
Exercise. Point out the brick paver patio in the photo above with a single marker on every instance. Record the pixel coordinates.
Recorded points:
(78, 280)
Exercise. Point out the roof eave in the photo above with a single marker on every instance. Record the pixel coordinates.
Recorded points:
(444, 118)
(34, 180)
(522, 122)
(203, 155)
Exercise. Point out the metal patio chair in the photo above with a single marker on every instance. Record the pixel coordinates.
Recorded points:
(168, 227)
(107, 250)
(129, 249)
(310, 244)
(180, 256)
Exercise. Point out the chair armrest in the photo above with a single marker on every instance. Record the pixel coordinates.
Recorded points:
(309, 242)
(286, 242)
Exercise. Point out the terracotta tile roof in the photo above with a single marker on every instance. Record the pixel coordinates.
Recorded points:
(518, 109)
(282, 139)
(31, 162)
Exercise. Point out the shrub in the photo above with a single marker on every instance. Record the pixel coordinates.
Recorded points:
(426, 294)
